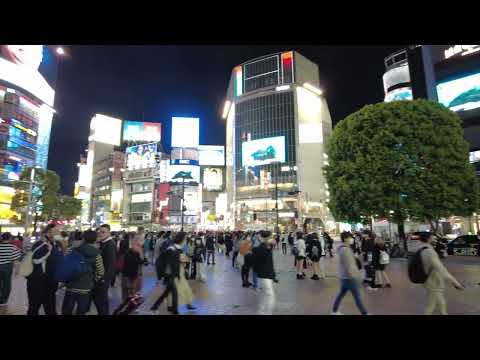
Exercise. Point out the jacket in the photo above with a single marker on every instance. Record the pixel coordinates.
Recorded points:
(109, 257)
(44, 261)
(310, 246)
(132, 265)
(438, 273)
(347, 266)
(210, 243)
(263, 262)
(86, 281)
(300, 245)
(172, 259)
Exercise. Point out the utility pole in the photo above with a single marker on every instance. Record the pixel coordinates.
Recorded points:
(29, 204)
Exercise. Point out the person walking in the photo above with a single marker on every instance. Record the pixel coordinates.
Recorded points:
(210, 245)
(314, 254)
(198, 260)
(132, 270)
(284, 243)
(300, 257)
(9, 253)
(329, 243)
(438, 275)
(245, 250)
(41, 283)
(263, 262)
(236, 249)
(349, 274)
(109, 257)
(78, 290)
(380, 260)
(228, 244)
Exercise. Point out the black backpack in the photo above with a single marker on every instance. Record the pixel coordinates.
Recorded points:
(161, 264)
(416, 272)
(131, 265)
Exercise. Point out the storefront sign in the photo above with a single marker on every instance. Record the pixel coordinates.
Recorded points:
(461, 49)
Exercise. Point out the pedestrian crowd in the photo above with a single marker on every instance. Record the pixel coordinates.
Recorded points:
(87, 264)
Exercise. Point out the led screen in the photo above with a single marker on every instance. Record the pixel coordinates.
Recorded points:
(399, 94)
(141, 156)
(212, 179)
(263, 151)
(141, 131)
(30, 67)
(211, 155)
(179, 170)
(106, 129)
(185, 132)
(460, 94)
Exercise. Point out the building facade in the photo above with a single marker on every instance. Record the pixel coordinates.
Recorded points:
(277, 124)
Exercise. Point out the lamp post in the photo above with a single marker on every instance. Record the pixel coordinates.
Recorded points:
(182, 175)
(276, 164)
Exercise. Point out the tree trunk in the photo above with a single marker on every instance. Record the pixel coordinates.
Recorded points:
(401, 233)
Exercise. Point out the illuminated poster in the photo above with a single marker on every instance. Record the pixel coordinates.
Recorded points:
(460, 94)
(263, 151)
(211, 155)
(213, 179)
(141, 156)
(29, 67)
(185, 132)
(106, 129)
(141, 131)
(183, 170)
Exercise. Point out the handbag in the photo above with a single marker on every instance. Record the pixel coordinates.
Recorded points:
(384, 258)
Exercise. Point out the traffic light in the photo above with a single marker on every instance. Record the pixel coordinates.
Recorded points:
(157, 158)
(296, 214)
(254, 217)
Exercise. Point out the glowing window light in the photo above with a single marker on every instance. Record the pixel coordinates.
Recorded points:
(238, 81)
(282, 88)
(313, 89)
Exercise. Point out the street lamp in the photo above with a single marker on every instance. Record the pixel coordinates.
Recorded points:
(60, 51)
(183, 175)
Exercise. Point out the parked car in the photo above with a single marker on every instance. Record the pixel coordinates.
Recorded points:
(464, 245)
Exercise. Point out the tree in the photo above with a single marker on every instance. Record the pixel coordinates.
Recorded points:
(68, 208)
(46, 184)
(400, 160)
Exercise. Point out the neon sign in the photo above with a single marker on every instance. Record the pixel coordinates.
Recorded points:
(461, 49)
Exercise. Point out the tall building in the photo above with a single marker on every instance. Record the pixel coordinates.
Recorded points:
(449, 74)
(277, 123)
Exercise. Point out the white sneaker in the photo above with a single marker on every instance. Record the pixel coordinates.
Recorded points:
(336, 313)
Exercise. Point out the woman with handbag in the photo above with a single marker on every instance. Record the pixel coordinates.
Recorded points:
(380, 260)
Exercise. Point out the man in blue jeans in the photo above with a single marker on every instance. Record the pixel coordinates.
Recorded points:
(349, 274)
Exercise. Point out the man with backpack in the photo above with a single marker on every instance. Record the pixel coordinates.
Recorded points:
(314, 253)
(425, 267)
(79, 285)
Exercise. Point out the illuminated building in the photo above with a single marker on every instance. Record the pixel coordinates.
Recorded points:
(449, 74)
(277, 123)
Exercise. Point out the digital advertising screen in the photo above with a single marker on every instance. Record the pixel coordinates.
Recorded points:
(404, 93)
(263, 151)
(30, 67)
(141, 156)
(183, 170)
(212, 179)
(106, 129)
(185, 132)
(461, 94)
(141, 131)
(211, 155)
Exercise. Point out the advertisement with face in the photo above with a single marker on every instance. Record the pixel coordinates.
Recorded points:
(263, 151)
(213, 179)
(32, 68)
(141, 156)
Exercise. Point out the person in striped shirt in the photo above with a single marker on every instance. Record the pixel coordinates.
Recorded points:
(9, 253)
(78, 290)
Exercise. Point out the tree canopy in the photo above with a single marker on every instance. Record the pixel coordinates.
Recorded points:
(399, 160)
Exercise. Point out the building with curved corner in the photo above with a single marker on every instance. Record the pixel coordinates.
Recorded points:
(277, 122)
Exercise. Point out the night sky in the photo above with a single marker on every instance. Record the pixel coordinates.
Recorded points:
(154, 83)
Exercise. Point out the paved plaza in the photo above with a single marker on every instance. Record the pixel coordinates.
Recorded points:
(223, 294)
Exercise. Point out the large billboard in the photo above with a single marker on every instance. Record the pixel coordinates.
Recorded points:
(211, 155)
(404, 93)
(141, 156)
(183, 170)
(185, 132)
(106, 129)
(30, 67)
(263, 151)
(461, 94)
(212, 179)
(141, 131)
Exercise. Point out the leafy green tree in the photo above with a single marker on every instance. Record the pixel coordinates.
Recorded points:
(44, 195)
(400, 160)
(68, 207)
